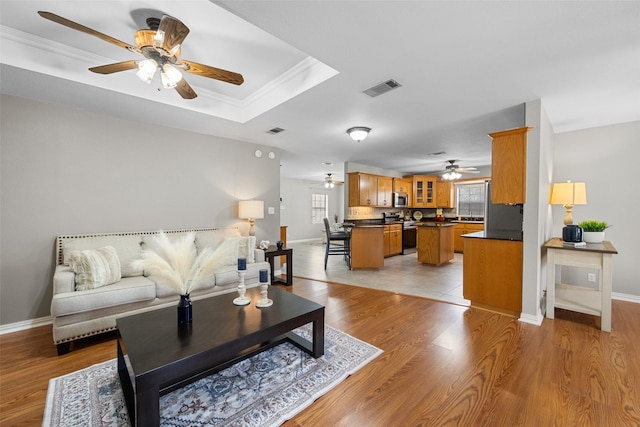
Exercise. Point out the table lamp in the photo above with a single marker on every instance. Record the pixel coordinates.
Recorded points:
(251, 210)
(569, 194)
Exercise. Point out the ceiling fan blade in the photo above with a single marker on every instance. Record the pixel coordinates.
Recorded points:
(185, 90)
(114, 68)
(174, 32)
(211, 72)
(74, 25)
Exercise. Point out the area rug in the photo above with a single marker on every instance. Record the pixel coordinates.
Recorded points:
(265, 390)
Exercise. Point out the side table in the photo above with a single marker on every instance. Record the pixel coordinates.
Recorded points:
(580, 299)
(270, 255)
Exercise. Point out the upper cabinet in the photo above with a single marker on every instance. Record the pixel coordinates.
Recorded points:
(508, 166)
(385, 190)
(402, 185)
(424, 191)
(445, 195)
(363, 189)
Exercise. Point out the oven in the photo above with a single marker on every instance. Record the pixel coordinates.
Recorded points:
(409, 237)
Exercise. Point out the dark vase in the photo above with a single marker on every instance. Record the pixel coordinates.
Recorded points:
(185, 309)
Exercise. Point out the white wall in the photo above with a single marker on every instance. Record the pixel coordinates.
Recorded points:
(295, 209)
(606, 159)
(66, 171)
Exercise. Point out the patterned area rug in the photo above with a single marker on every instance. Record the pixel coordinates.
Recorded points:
(265, 390)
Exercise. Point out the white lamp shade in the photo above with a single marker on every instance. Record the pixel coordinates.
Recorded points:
(251, 209)
(569, 193)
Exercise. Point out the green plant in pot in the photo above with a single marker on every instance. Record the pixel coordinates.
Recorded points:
(593, 231)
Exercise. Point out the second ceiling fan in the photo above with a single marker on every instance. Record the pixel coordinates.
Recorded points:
(160, 45)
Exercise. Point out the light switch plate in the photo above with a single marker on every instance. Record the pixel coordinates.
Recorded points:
(271, 210)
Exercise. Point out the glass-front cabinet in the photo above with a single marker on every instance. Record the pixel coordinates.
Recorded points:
(424, 191)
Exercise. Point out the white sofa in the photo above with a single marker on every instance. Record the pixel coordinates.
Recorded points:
(81, 313)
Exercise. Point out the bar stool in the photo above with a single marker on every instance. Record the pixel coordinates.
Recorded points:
(338, 243)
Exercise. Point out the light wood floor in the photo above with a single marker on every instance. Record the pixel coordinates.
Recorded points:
(443, 364)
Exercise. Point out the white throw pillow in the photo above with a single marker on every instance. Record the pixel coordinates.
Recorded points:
(227, 253)
(246, 248)
(95, 267)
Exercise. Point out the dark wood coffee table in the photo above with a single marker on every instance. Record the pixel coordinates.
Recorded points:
(156, 355)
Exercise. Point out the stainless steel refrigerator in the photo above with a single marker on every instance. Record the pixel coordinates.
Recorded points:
(501, 221)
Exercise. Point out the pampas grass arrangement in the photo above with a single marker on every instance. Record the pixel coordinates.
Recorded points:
(178, 261)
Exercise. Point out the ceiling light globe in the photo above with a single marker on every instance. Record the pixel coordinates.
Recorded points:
(358, 133)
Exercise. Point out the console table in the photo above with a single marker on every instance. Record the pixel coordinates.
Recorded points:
(581, 299)
(270, 255)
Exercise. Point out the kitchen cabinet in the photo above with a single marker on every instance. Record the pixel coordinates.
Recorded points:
(463, 228)
(402, 185)
(367, 247)
(363, 189)
(385, 190)
(492, 274)
(508, 165)
(445, 195)
(435, 243)
(392, 240)
(424, 191)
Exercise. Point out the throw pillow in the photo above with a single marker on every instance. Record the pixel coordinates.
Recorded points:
(95, 267)
(246, 249)
(227, 253)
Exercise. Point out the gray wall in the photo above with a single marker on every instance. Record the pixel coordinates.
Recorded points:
(606, 159)
(295, 207)
(67, 171)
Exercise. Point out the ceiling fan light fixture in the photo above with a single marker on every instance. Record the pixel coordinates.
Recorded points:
(170, 76)
(358, 133)
(328, 182)
(451, 175)
(146, 70)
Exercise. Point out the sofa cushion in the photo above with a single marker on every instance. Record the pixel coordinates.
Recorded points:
(127, 247)
(126, 291)
(94, 268)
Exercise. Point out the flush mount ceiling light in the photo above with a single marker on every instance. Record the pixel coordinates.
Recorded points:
(328, 181)
(358, 133)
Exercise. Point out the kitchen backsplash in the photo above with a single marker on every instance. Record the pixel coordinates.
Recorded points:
(365, 212)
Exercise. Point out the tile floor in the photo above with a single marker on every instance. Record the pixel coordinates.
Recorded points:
(402, 274)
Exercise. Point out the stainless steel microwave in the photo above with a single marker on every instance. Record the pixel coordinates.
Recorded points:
(400, 200)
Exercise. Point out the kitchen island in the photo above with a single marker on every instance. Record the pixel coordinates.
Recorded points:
(367, 247)
(492, 271)
(435, 242)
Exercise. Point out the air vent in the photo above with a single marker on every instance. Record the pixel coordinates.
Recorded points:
(275, 131)
(381, 88)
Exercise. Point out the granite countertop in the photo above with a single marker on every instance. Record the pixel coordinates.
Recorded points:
(496, 235)
(434, 224)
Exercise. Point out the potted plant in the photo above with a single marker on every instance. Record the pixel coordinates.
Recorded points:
(593, 231)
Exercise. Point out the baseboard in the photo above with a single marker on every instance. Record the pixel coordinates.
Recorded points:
(305, 240)
(534, 320)
(625, 297)
(25, 324)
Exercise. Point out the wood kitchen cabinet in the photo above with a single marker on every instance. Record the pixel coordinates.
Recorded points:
(392, 240)
(492, 274)
(402, 185)
(435, 244)
(508, 165)
(385, 190)
(363, 189)
(445, 195)
(463, 228)
(424, 191)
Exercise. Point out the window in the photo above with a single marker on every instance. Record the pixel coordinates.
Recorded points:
(319, 208)
(470, 200)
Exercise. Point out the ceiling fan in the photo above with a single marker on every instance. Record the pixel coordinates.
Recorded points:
(453, 171)
(160, 46)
